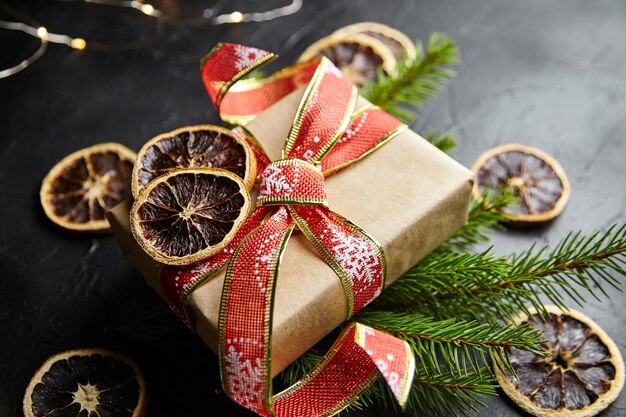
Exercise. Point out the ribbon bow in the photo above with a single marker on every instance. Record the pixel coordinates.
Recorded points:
(327, 135)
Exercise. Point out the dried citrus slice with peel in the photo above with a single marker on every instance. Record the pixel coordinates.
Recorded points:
(537, 179)
(396, 41)
(357, 55)
(86, 383)
(189, 214)
(83, 185)
(194, 147)
(581, 373)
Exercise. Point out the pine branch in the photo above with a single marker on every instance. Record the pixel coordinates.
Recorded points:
(419, 290)
(578, 261)
(447, 395)
(452, 346)
(452, 375)
(442, 395)
(144, 318)
(495, 288)
(444, 142)
(578, 265)
(484, 216)
(415, 82)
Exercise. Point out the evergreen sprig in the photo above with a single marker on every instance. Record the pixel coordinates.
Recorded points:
(416, 81)
(484, 216)
(451, 346)
(578, 261)
(444, 142)
(442, 395)
(441, 283)
(492, 288)
(145, 318)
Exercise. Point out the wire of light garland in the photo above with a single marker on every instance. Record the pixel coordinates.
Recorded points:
(46, 37)
(43, 45)
(225, 18)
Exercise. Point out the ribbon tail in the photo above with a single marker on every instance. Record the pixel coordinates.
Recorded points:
(393, 358)
(246, 313)
(359, 356)
(356, 257)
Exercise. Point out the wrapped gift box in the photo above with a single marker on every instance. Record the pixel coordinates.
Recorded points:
(408, 195)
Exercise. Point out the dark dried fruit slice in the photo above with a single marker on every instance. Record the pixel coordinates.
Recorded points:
(86, 383)
(396, 41)
(541, 186)
(189, 214)
(79, 189)
(203, 146)
(581, 373)
(358, 56)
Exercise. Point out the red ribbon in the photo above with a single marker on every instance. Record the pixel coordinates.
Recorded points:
(327, 135)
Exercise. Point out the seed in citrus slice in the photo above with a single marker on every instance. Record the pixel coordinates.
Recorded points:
(538, 181)
(203, 146)
(396, 41)
(189, 214)
(79, 189)
(357, 55)
(581, 373)
(86, 383)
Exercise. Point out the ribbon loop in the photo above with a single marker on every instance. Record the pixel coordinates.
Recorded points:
(245, 312)
(318, 125)
(291, 181)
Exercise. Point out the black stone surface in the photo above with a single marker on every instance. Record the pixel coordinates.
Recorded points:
(548, 74)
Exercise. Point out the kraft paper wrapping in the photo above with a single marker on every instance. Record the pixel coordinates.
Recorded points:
(408, 195)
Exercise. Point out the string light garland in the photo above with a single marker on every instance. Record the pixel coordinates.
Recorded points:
(208, 18)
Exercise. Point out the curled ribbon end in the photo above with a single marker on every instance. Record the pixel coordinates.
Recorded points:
(393, 358)
(242, 60)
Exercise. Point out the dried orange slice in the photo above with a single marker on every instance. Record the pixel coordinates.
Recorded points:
(86, 383)
(79, 189)
(581, 373)
(189, 214)
(538, 180)
(194, 147)
(357, 55)
(396, 41)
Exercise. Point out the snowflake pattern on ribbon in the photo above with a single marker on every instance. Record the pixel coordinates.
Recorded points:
(273, 181)
(265, 260)
(397, 371)
(245, 378)
(246, 56)
(356, 256)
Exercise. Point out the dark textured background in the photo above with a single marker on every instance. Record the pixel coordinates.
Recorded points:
(549, 74)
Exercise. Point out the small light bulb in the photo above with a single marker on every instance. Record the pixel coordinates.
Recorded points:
(235, 17)
(147, 9)
(78, 43)
(42, 32)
